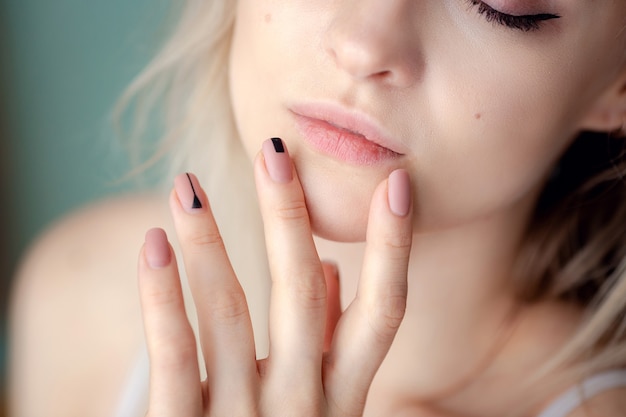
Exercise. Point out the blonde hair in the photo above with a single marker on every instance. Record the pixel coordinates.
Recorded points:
(184, 93)
(575, 249)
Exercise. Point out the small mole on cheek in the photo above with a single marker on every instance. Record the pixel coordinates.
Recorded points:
(478, 116)
(268, 18)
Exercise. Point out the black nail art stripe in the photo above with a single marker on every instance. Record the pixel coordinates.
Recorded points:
(196, 201)
(278, 145)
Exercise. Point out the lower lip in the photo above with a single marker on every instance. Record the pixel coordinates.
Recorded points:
(342, 144)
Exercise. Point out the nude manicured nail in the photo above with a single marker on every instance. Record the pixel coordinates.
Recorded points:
(399, 189)
(157, 249)
(277, 160)
(189, 192)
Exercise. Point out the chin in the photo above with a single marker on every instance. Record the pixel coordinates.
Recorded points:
(338, 201)
(337, 220)
(338, 233)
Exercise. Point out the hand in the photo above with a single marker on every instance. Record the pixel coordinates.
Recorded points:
(306, 373)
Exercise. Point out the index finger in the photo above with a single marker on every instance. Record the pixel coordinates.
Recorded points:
(298, 304)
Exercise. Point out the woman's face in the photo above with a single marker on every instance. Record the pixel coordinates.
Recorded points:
(476, 105)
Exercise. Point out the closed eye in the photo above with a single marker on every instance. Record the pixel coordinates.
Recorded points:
(526, 23)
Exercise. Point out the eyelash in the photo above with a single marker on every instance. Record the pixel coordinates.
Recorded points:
(526, 23)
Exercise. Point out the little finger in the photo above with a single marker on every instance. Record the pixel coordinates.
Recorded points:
(174, 374)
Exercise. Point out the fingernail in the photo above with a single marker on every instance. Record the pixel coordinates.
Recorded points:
(277, 160)
(157, 249)
(189, 192)
(399, 192)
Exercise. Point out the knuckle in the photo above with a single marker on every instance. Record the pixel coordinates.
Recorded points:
(310, 297)
(175, 354)
(208, 240)
(228, 307)
(162, 296)
(388, 311)
(399, 241)
(292, 211)
(309, 287)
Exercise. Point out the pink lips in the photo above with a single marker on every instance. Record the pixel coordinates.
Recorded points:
(343, 135)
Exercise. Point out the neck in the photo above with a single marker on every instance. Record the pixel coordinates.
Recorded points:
(459, 307)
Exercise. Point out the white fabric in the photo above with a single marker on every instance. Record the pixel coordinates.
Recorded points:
(134, 396)
(576, 396)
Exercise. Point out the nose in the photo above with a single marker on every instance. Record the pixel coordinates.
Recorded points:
(376, 40)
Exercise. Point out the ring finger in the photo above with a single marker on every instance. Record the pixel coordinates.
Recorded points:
(224, 323)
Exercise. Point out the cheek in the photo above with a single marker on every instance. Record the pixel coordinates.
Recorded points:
(488, 133)
(253, 47)
(259, 74)
(500, 133)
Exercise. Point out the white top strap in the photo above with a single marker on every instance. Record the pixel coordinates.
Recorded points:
(133, 398)
(589, 388)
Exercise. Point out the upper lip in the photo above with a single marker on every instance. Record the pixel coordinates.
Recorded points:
(351, 120)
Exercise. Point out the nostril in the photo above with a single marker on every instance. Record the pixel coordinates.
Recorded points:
(374, 51)
(385, 75)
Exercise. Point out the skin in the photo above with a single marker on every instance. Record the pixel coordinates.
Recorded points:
(480, 111)
(478, 141)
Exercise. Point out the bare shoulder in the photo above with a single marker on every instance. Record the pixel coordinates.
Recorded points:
(75, 318)
(108, 222)
(96, 244)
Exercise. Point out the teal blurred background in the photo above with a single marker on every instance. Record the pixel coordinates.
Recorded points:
(63, 63)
